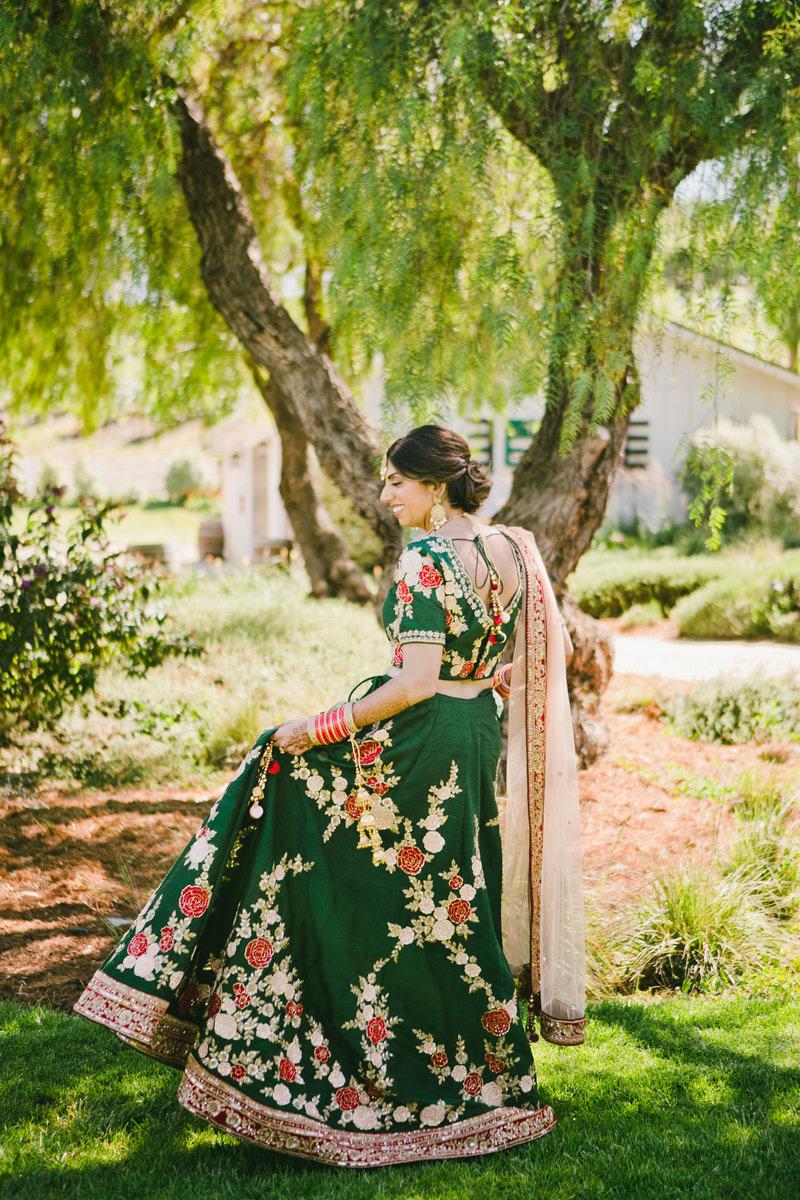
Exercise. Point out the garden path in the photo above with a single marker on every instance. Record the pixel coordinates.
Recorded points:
(657, 651)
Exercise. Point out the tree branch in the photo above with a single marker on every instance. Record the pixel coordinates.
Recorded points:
(239, 287)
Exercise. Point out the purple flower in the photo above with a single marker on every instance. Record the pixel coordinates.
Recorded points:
(26, 583)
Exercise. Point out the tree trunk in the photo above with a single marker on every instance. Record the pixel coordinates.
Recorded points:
(327, 560)
(232, 264)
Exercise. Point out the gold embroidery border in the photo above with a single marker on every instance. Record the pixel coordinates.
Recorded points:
(535, 732)
(563, 1032)
(137, 1018)
(221, 1104)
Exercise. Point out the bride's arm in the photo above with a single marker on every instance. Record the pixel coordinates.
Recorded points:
(416, 681)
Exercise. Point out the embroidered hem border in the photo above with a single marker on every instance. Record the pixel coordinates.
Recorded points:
(137, 1018)
(563, 1032)
(218, 1102)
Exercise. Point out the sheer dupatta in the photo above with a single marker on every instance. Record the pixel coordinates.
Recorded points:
(542, 903)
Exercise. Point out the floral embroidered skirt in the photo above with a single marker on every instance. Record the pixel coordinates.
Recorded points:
(332, 984)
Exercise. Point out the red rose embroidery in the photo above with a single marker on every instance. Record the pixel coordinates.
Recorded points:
(403, 592)
(214, 1004)
(448, 618)
(473, 1083)
(397, 656)
(137, 945)
(258, 952)
(429, 577)
(353, 806)
(376, 1030)
(458, 911)
(372, 1090)
(193, 901)
(368, 751)
(410, 859)
(242, 998)
(495, 1064)
(467, 667)
(237, 1071)
(166, 941)
(456, 882)
(347, 1098)
(202, 831)
(480, 670)
(321, 1053)
(287, 1070)
(439, 1059)
(496, 1021)
(293, 1009)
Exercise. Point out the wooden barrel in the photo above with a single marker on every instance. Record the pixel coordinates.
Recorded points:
(210, 538)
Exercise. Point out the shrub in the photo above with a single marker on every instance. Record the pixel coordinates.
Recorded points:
(182, 479)
(759, 600)
(67, 607)
(766, 477)
(766, 845)
(698, 930)
(732, 711)
(608, 585)
(641, 614)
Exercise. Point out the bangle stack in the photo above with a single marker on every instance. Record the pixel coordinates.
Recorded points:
(502, 681)
(332, 725)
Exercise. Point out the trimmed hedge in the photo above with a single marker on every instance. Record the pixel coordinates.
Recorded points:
(758, 601)
(609, 588)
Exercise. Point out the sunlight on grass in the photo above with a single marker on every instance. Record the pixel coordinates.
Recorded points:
(701, 1094)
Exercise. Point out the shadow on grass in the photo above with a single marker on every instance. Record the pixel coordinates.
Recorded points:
(673, 1099)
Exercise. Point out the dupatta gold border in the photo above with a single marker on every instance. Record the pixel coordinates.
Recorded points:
(535, 716)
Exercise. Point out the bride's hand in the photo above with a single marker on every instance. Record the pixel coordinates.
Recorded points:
(292, 736)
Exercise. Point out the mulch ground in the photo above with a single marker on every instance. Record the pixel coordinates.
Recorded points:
(72, 859)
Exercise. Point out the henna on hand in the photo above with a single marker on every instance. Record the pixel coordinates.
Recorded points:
(390, 698)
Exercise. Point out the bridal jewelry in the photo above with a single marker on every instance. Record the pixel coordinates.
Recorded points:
(438, 516)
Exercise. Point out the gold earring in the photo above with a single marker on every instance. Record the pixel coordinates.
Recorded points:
(437, 515)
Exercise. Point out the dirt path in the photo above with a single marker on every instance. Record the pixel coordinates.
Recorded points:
(70, 861)
(657, 650)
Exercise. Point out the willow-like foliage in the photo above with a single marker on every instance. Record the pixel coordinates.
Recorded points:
(490, 177)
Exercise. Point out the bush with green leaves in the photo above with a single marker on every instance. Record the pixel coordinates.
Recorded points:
(734, 711)
(765, 492)
(761, 600)
(68, 606)
(608, 584)
(183, 478)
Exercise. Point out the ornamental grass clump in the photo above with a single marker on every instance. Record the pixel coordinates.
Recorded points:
(766, 844)
(734, 711)
(698, 930)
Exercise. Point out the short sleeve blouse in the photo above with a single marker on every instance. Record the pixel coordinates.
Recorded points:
(433, 599)
(414, 610)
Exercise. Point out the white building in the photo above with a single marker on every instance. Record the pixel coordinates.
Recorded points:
(683, 374)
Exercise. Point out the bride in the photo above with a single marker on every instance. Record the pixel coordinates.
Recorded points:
(337, 961)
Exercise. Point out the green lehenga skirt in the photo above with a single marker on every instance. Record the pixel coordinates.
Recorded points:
(327, 973)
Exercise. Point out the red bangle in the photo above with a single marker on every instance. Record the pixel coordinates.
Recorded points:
(330, 726)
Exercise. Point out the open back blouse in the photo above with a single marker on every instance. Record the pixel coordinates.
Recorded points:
(433, 599)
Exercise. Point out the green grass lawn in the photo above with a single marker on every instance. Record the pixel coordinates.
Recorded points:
(675, 1098)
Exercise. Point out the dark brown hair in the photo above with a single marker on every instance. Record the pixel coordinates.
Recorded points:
(433, 454)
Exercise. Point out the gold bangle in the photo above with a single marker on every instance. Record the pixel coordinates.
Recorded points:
(312, 733)
(349, 719)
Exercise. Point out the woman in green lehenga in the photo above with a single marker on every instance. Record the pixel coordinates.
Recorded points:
(334, 961)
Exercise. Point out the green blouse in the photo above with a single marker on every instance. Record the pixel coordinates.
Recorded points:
(433, 599)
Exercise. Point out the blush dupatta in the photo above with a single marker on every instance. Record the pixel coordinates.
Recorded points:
(542, 901)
